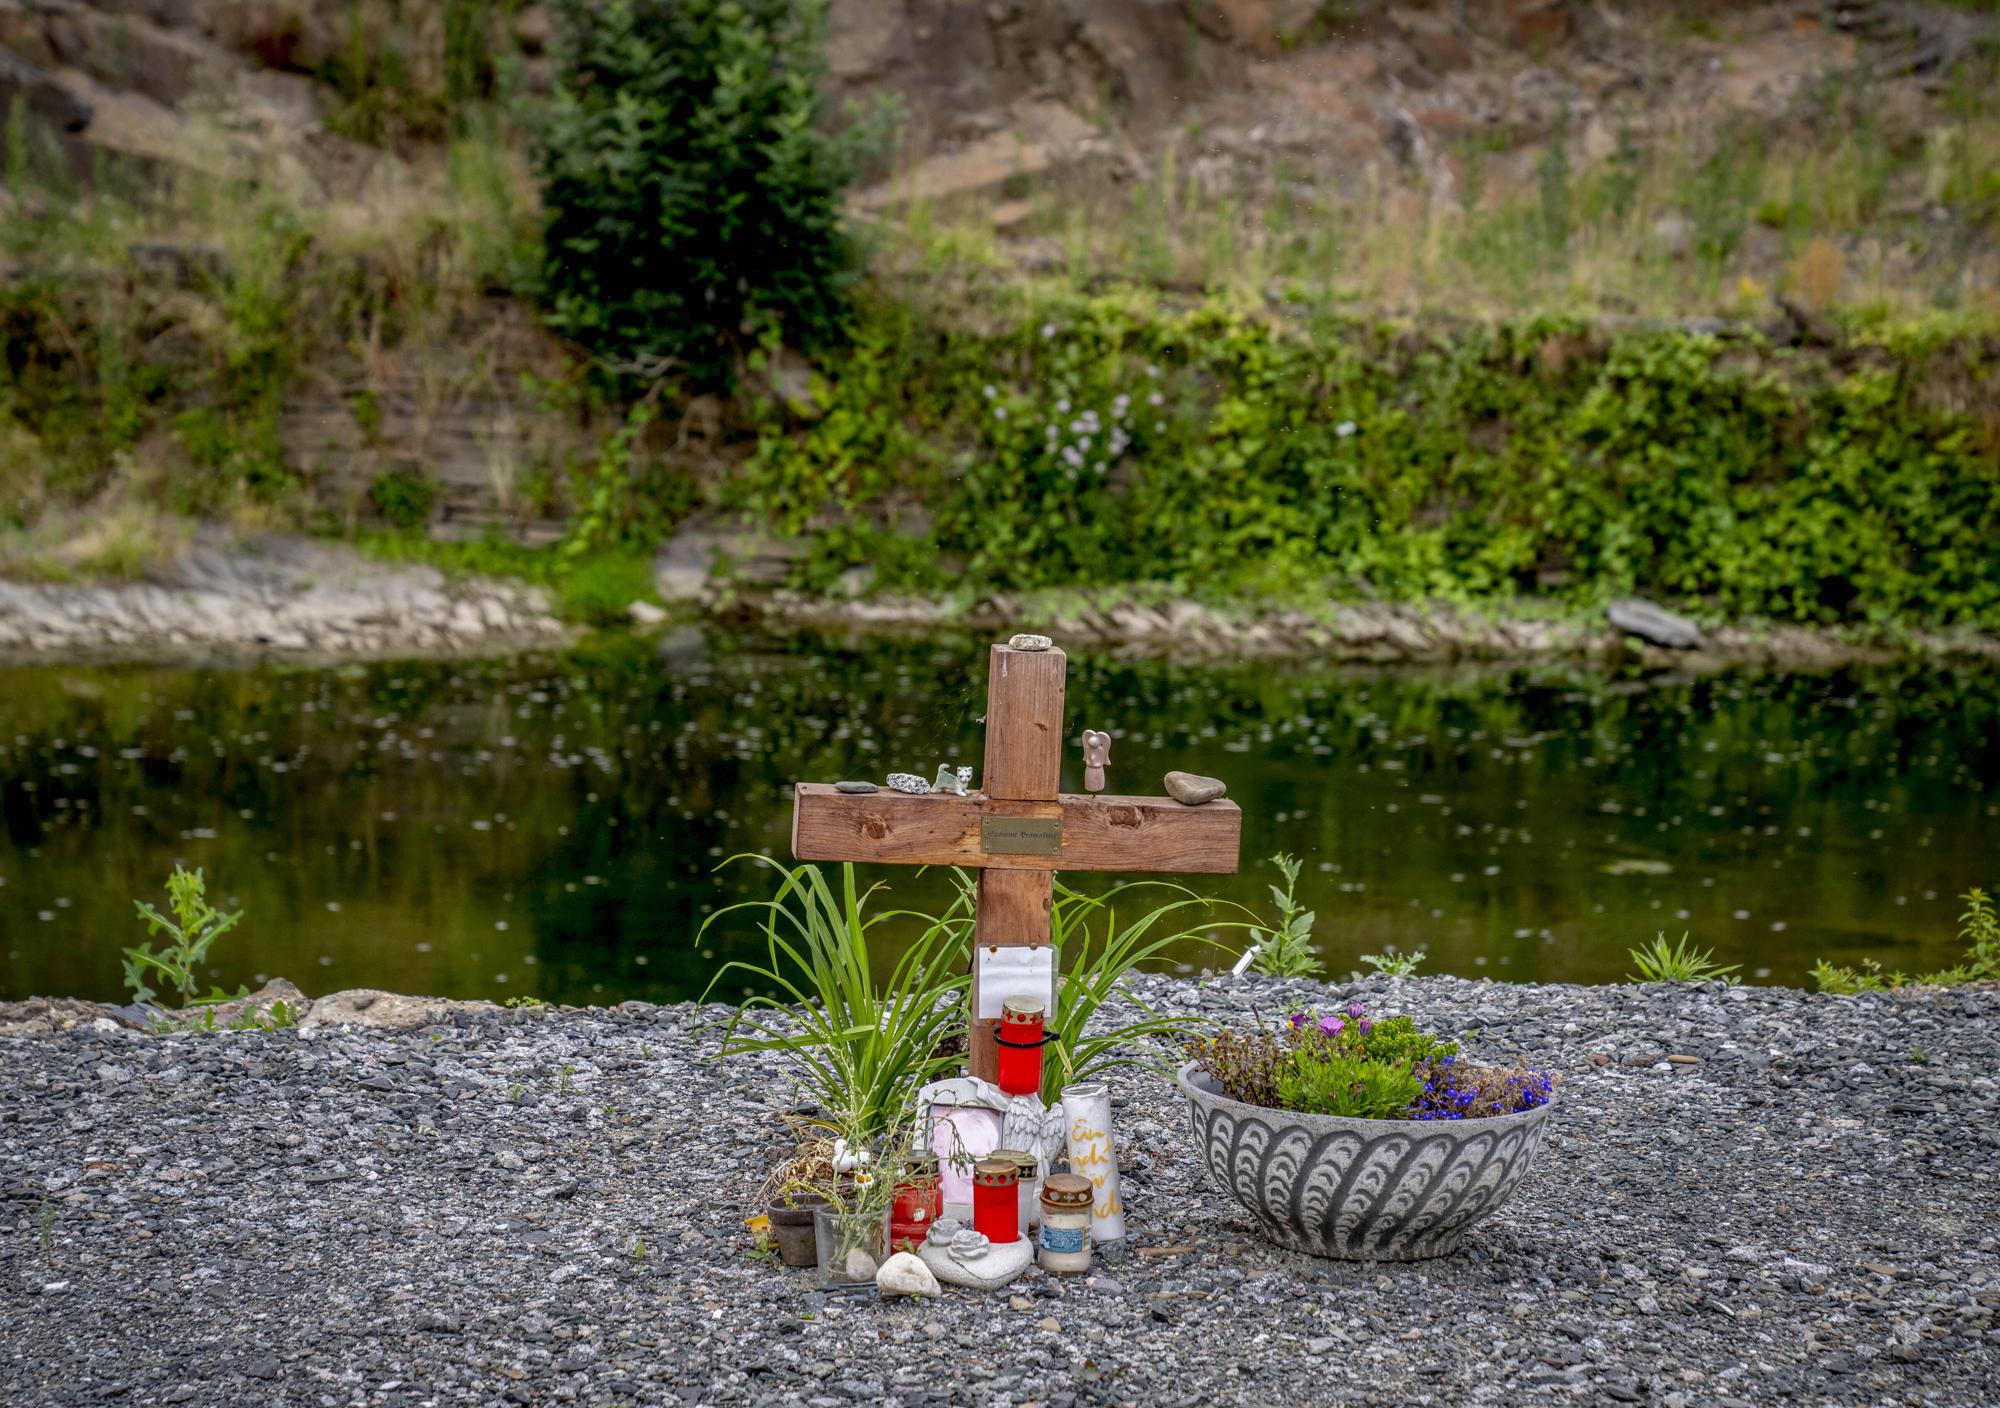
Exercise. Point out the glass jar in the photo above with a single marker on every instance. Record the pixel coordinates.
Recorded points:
(996, 1200)
(852, 1248)
(1064, 1243)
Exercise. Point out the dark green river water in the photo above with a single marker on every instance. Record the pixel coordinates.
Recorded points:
(551, 825)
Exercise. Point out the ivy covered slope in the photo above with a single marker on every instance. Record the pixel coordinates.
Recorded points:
(1081, 440)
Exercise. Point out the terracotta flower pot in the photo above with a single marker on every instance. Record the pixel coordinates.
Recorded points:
(1360, 1190)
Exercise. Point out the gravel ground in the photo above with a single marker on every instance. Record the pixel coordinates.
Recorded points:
(1748, 1195)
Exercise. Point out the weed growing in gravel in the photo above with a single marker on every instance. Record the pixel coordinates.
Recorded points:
(195, 926)
(1678, 962)
(1868, 976)
(1287, 950)
(1979, 931)
(1391, 964)
(276, 1017)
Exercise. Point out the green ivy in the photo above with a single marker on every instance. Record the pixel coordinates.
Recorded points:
(1109, 440)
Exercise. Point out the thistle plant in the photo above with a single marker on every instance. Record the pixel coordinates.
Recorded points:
(1286, 951)
(195, 926)
(1392, 964)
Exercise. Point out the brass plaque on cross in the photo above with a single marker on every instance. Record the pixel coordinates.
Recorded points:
(1020, 835)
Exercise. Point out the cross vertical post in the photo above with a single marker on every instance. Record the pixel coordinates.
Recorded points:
(1024, 738)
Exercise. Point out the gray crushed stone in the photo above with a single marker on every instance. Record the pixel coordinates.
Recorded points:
(1804, 1212)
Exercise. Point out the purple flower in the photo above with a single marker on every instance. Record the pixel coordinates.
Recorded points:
(1366, 1026)
(1298, 1020)
(1332, 1026)
(1355, 1009)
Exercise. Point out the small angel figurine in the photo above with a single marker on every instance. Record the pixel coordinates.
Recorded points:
(1096, 753)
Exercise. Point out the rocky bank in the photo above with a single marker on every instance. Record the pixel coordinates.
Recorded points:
(1748, 1196)
(275, 594)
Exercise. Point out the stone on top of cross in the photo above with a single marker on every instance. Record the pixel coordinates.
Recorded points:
(1016, 828)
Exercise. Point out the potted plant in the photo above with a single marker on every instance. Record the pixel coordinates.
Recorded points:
(1361, 1139)
(787, 1198)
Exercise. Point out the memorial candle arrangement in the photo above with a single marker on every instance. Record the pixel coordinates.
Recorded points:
(998, 1142)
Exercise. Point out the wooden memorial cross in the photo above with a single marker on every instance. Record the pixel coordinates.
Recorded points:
(1018, 830)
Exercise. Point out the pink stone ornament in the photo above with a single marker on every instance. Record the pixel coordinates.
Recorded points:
(1096, 753)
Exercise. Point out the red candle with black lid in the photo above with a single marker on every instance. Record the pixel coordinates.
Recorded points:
(996, 1200)
(1019, 1037)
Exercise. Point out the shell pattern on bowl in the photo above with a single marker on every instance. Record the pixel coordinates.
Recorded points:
(1361, 1190)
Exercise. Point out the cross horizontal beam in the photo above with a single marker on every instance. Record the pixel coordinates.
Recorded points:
(1091, 832)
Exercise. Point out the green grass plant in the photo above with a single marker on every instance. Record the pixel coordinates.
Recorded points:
(856, 1045)
(1095, 953)
(1678, 962)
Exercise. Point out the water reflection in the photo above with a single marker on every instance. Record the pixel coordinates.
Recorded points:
(551, 825)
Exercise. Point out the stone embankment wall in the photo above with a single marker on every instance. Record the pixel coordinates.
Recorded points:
(277, 595)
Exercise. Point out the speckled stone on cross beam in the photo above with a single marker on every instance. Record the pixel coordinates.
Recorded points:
(1018, 829)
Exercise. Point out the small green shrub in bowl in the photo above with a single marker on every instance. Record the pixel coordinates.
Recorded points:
(1362, 1139)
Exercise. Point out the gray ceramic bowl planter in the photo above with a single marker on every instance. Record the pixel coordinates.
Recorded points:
(1360, 1190)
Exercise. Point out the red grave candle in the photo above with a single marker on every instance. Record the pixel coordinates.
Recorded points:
(996, 1200)
(1019, 1037)
(919, 1202)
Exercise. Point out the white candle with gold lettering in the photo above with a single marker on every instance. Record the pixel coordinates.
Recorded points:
(1087, 1120)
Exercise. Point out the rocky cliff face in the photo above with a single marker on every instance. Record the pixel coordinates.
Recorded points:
(993, 89)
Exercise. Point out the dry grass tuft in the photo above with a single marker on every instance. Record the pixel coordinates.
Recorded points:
(1818, 273)
(809, 1168)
